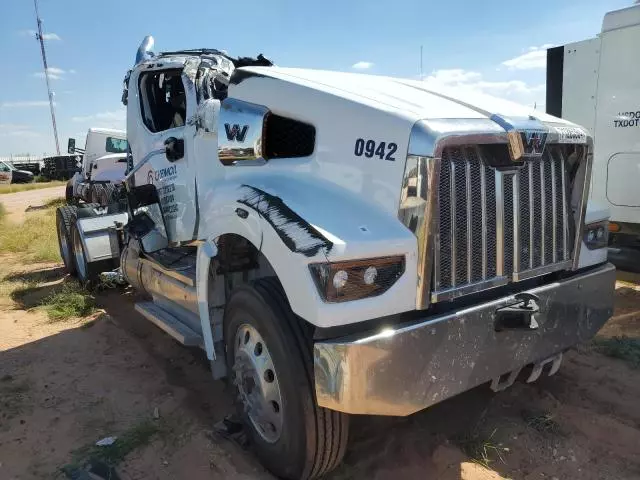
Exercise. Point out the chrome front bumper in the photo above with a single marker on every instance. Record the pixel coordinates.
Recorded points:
(405, 369)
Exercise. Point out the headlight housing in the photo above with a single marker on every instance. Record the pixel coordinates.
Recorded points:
(355, 279)
(596, 235)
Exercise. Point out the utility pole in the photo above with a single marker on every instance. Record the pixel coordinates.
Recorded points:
(46, 76)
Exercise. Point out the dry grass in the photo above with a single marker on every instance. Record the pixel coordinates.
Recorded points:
(22, 187)
(622, 348)
(541, 421)
(69, 302)
(481, 446)
(35, 239)
(91, 456)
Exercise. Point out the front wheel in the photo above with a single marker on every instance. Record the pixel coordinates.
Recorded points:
(269, 354)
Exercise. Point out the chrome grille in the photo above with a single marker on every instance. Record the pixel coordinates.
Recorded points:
(496, 226)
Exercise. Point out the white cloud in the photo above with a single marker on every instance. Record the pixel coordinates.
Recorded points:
(362, 65)
(45, 36)
(535, 57)
(24, 104)
(51, 36)
(52, 76)
(55, 73)
(17, 130)
(109, 119)
(470, 81)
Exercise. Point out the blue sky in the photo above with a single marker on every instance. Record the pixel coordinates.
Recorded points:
(496, 46)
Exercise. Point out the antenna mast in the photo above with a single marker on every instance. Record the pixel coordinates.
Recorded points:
(46, 76)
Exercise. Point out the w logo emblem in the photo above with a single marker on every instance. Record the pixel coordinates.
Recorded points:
(236, 132)
(534, 141)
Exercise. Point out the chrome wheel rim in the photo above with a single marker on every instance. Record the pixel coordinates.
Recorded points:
(65, 249)
(256, 379)
(79, 254)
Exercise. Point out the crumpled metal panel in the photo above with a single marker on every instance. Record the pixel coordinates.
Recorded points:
(405, 369)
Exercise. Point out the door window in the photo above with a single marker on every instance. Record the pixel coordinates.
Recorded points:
(163, 100)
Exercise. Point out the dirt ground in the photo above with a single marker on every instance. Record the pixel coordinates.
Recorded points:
(17, 203)
(65, 385)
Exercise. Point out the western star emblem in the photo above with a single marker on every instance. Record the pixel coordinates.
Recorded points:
(526, 144)
(533, 142)
(526, 136)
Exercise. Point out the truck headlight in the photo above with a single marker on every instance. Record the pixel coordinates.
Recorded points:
(351, 280)
(596, 235)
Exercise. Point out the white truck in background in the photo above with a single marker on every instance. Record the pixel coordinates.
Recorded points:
(346, 244)
(596, 83)
(102, 168)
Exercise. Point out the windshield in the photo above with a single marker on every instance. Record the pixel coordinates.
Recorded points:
(7, 165)
(116, 145)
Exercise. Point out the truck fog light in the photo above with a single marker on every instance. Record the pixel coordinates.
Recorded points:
(340, 279)
(370, 275)
(596, 235)
(355, 279)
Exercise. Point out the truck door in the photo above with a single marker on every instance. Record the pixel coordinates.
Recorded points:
(5, 173)
(617, 132)
(157, 130)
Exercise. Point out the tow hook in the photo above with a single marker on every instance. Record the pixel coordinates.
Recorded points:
(520, 315)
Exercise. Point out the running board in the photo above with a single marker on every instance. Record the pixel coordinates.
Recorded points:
(169, 323)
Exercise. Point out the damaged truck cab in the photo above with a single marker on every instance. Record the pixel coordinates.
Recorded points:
(347, 244)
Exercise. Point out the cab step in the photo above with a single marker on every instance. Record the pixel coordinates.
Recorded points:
(169, 323)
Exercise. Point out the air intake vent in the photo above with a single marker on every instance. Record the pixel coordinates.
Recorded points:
(288, 138)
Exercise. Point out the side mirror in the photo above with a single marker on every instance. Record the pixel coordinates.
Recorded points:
(71, 145)
(174, 148)
(147, 222)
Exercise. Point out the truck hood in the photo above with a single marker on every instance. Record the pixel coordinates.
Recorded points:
(416, 99)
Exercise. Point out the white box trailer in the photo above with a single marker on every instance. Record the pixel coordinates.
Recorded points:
(596, 83)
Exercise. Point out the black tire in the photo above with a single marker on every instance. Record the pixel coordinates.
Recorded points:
(87, 273)
(65, 217)
(313, 439)
(68, 194)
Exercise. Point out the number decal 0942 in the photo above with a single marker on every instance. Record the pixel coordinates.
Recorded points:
(371, 148)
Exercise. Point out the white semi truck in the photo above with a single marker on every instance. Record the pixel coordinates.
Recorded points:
(596, 83)
(346, 244)
(102, 168)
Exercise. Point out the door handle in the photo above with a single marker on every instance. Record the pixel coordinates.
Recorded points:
(174, 148)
